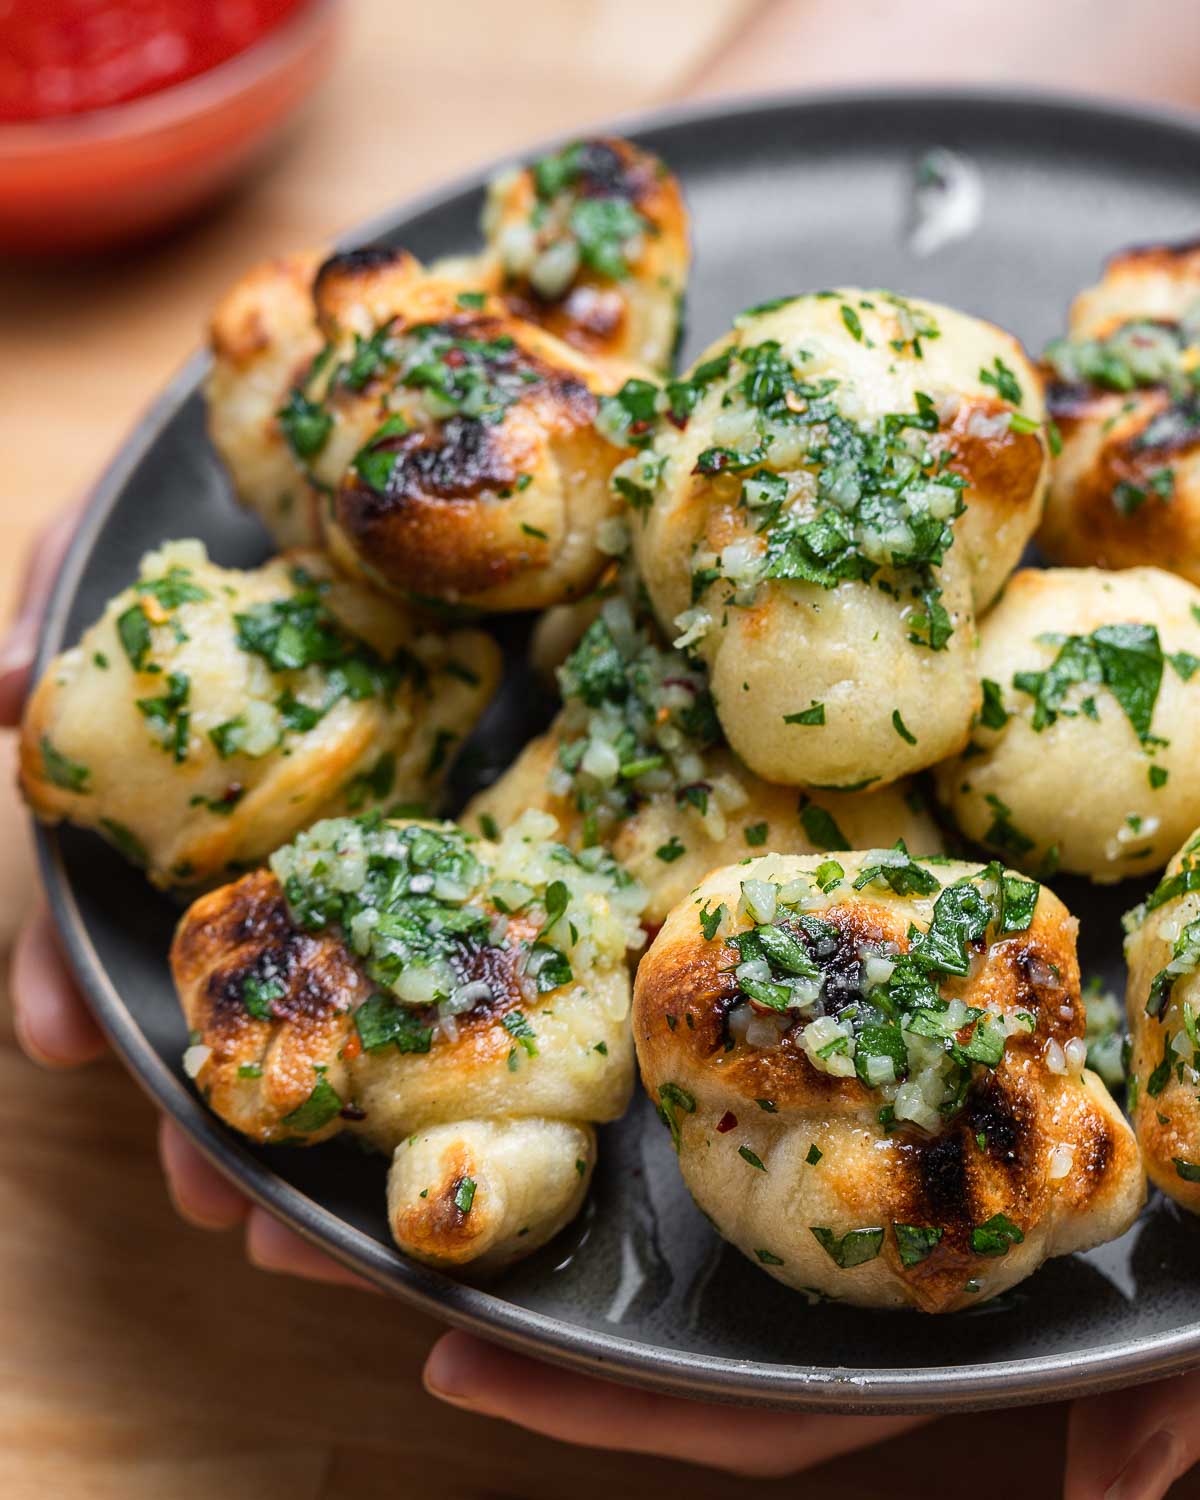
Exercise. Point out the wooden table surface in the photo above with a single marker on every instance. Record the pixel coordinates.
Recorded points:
(142, 1359)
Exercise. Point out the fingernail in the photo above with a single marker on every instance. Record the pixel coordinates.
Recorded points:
(444, 1374)
(1147, 1475)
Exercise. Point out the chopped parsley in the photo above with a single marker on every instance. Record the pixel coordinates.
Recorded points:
(61, 770)
(915, 1242)
(382, 1023)
(672, 1098)
(996, 1236)
(133, 631)
(854, 1248)
(993, 714)
(322, 1105)
(518, 1027)
(259, 993)
(815, 714)
(168, 715)
(820, 826)
(1003, 381)
(902, 728)
(1127, 659)
(885, 500)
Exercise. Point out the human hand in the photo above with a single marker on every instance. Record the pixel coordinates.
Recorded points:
(1127, 1446)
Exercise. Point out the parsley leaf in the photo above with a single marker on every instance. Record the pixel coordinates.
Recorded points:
(996, 1235)
(915, 1242)
(812, 715)
(855, 1248)
(381, 1024)
(820, 827)
(61, 770)
(321, 1106)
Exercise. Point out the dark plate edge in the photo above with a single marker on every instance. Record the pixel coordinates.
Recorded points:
(933, 1389)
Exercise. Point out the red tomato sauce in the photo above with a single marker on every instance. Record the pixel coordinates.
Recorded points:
(63, 57)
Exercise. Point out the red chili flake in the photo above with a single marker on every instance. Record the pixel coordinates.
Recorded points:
(454, 358)
(676, 420)
(727, 1122)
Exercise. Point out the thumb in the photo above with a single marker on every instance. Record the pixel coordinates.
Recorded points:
(20, 644)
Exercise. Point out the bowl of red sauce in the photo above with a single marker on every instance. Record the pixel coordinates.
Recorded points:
(119, 117)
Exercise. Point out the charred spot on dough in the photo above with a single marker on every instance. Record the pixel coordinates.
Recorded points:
(610, 167)
(999, 1112)
(1166, 433)
(1145, 441)
(264, 913)
(1072, 401)
(939, 1169)
(430, 546)
(456, 461)
(365, 260)
(439, 1225)
(497, 968)
(315, 985)
(590, 317)
(478, 1027)
(1040, 986)
(252, 910)
(340, 272)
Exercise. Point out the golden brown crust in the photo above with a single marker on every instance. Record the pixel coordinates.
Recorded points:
(436, 1227)
(489, 513)
(244, 323)
(1002, 466)
(1110, 441)
(1106, 506)
(775, 1098)
(244, 932)
(487, 1113)
(448, 523)
(359, 288)
(632, 319)
(187, 820)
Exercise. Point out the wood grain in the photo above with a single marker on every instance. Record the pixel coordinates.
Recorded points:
(142, 1359)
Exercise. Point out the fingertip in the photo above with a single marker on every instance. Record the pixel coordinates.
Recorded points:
(19, 646)
(451, 1368)
(16, 666)
(272, 1246)
(53, 1024)
(198, 1192)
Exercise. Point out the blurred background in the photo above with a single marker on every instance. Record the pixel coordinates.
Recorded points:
(142, 1358)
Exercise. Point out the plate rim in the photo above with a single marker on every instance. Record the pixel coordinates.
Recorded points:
(940, 1388)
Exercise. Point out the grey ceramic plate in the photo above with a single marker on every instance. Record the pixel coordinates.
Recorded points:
(785, 195)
